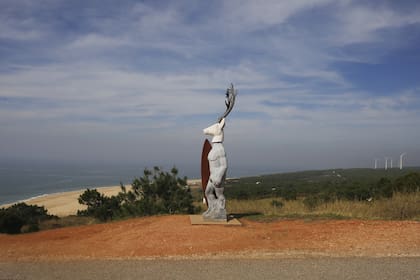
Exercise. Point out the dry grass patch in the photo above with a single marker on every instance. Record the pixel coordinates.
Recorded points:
(399, 207)
(67, 221)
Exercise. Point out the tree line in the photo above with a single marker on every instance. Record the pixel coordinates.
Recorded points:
(319, 186)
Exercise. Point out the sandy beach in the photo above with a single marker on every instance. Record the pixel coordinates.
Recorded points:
(66, 203)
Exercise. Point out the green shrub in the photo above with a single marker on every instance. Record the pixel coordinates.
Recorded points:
(156, 192)
(408, 183)
(10, 222)
(21, 217)
(99, 206)
(383, 188)
(289, 193)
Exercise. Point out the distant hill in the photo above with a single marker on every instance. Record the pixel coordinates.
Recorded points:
(356, 182)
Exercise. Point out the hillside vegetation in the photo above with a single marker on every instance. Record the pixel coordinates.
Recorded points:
(350, 184)
(360, 193)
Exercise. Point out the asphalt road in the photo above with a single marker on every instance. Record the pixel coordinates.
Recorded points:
(298, 268)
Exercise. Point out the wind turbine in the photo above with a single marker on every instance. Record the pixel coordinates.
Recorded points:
(376, 163)
(401, 159)
(386, 163)
(391, 162)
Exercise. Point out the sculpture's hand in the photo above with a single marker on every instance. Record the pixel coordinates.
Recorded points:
(215, 181)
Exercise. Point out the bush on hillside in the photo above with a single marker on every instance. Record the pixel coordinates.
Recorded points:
(156, 192)
(383, 188)
(21, 217)
(289, 193)
(408, 183)
(99, 206)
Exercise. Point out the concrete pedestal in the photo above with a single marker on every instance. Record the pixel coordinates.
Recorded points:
(198, 220)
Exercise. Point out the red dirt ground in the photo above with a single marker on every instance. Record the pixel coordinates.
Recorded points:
(174, 237)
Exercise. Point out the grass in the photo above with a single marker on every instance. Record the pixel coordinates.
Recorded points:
(399, 207)
(67, 222)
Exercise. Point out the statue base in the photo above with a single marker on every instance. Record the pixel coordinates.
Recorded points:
(198, 220)
(218, 215)
(215, 220)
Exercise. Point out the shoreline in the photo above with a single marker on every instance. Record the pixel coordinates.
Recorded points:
(66, 203)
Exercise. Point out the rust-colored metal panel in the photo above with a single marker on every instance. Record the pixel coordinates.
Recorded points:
(205, 167)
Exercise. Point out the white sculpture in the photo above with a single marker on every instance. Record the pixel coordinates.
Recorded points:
(218, 165)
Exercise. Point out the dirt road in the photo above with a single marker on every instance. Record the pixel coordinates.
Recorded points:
(298, 268)
(173, 237)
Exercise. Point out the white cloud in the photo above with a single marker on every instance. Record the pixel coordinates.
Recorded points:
(95, 42)
(248, 16)
(362, 24)
(22, 30)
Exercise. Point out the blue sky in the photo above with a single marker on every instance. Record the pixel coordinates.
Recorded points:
(322, 84)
